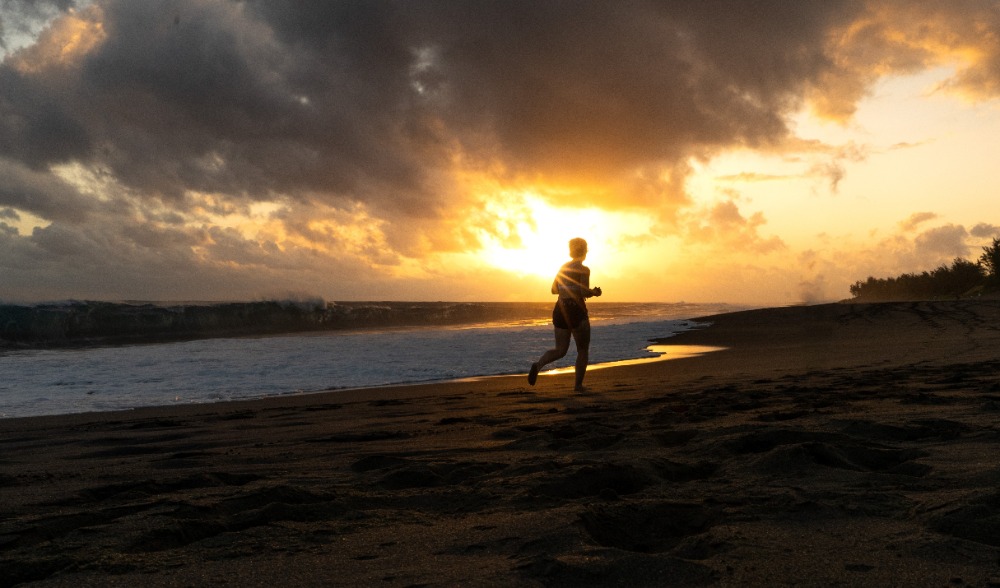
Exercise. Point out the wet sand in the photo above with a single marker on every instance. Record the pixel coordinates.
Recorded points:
(839, 444)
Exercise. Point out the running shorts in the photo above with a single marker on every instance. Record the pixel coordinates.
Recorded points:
(568, 314)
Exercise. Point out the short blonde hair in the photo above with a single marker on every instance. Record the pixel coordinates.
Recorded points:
(577, 248)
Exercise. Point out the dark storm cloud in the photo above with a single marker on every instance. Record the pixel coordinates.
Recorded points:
(211, 100)
(368, 101)
(41, 194)
(593, 89)
(371, 101)
(37, 124)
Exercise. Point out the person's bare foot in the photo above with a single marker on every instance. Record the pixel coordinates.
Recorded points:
(533, 374)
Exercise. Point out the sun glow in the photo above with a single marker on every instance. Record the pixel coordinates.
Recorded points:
(531, 237)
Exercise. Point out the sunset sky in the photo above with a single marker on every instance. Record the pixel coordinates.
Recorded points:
(755, 152)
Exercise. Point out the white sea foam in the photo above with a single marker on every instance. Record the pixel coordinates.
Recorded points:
(112, 378)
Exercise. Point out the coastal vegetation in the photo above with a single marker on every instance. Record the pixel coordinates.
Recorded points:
(963, 278)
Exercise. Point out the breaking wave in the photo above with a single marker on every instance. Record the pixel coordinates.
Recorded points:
(89, 323)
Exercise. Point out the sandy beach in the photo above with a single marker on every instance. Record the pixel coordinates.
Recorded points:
(830, 445)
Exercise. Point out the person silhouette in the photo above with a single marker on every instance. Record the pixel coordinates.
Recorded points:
(569, 316)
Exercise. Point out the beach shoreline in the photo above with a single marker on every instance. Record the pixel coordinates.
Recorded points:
(831, 444)
(217, 370)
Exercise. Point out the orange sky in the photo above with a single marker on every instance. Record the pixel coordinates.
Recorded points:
(767, 154)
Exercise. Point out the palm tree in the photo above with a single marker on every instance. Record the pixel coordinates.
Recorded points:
(990, 260)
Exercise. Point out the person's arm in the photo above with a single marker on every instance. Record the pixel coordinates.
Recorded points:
(588, 292)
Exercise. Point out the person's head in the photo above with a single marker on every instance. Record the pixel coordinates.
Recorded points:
(577, 248)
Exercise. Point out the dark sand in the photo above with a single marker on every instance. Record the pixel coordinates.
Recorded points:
(850, 445)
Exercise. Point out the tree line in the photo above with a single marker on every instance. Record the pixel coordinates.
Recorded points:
(961, 278)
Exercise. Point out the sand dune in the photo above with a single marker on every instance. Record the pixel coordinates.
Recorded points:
(827, 445)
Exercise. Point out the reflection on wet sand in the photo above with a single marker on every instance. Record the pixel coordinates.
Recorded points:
(662, 353)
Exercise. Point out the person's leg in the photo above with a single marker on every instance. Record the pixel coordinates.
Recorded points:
(557, 352)
(581, 334)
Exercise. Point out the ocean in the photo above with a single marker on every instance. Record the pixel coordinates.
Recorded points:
(116, 377)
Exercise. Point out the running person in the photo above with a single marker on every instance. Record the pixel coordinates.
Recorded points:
(569, 317)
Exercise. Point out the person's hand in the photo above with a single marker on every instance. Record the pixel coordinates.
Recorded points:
(597, 291)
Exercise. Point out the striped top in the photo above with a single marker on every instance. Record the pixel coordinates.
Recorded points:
(573, 281)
